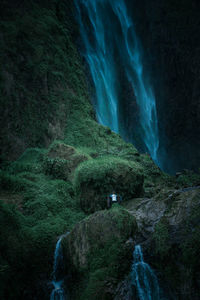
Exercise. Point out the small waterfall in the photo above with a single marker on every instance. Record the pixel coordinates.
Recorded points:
(143, 277)
(112, 48)
(58, 292)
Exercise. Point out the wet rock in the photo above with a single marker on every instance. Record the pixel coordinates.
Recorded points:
(124, 290)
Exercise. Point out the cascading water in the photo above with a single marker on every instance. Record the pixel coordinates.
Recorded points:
(58, 292)
(111, 49)
(100, 60)
(144, 278)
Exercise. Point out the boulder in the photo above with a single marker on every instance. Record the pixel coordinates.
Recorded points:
(96, 248)
(95, 179)
(98, 231)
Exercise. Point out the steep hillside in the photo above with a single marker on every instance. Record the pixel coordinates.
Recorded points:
(41, 75)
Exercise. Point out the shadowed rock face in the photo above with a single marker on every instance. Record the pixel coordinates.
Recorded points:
(169, 33)
(177, 206)
(169, 228)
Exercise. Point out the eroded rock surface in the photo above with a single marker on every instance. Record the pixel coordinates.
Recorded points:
(176, 206)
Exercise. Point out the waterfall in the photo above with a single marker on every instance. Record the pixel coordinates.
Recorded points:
(144, 278)
(58, 292)
(111, 48)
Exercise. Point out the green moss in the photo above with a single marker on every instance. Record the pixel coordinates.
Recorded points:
(41, 75)
(190, 245)
(96, 246)
(105, 266)
(12, 183)
(96, 286)
(56, 167)
(190, 249)
(61, 160)
(176, 249)
(29, 161)
(161, 238)
(11, 245)
(47, 209)
(189, 179)
(95, 179)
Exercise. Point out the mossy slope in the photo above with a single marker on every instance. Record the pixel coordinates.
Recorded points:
(95, 179)
(34, 210)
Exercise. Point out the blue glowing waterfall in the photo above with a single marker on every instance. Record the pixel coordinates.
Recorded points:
(100, 60)
(144, 278)
(111, 47)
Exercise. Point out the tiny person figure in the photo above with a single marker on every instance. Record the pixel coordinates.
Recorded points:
(113, 198)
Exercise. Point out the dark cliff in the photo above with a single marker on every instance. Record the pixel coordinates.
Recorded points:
(169, 31)
(41, 73)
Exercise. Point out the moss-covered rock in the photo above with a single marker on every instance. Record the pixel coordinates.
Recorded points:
(98, 230)
(97, 245)
(95, 179)
(62, 160)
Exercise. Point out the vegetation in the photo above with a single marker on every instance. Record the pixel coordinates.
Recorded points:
(40, 64)
(161, 238)
(35, 210)
(58, 163)
(95, 179)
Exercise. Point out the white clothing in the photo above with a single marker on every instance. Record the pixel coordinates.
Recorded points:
(114, 197)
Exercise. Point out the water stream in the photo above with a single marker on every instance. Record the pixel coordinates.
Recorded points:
(58, 292)
(143, 277)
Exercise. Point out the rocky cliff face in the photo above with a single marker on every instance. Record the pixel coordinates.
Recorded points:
(169, 232)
